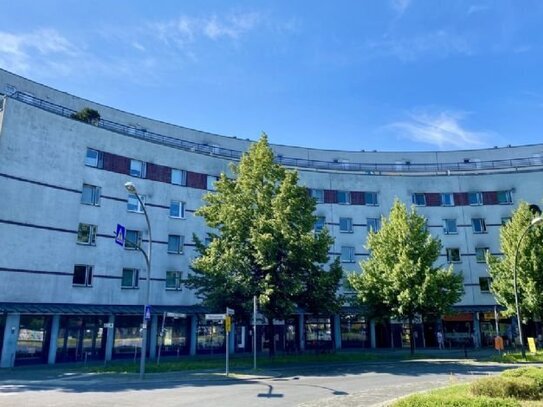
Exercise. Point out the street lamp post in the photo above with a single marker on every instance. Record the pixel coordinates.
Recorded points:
(130, 187)
(534, 222)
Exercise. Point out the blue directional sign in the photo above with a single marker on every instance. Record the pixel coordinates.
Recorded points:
(147, 312)
(120, 235)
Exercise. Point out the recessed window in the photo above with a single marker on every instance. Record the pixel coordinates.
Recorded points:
(449, 226)
(319, 223)
(346, 225)
(177, 209)
(211, 179)
(370, 198)
(419, 199)
(86, 234)
(480, 254)
(174, 280)
(138, 168)
(475, 198)
(132, 239)
(130, 278)
(82, 275)
(479, 225)
(90, 195)
(453, 255)
(94, 158)
(374, 224)
(484, 283)
(133, 204)
(505, 220)
(317, 194)
(347, 254)
(175, 244)
(505, 197)
(179, 177)
(344, 197)
(447, 199)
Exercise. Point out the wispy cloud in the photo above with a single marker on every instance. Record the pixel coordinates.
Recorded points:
(399, 6)
(444, 130)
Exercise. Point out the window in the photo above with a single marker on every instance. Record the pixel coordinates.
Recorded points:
(479, 225)
(347, 254)
(318, 194)
(175, 244)
(138, 168)
(130, 278)
(480, 254)
(132, 239)
(211, 179)
(179, 177)
(346, 225)
(177, 209)
(505, 198)
(374, 224)
(94, 158)
(419, 199)
(370, 198)
(90, 195)
(174, 280)
(343, 197)
(449, 226)
(86, 234)
(82, 275)
(505, 220)
(453, 255)
(319, 223)
(475, 198)
(484, 283)
(133, 204)
(447, 199)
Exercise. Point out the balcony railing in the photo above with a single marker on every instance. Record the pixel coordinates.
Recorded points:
(367, 168)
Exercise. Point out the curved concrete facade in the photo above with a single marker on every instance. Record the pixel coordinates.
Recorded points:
(62, 184)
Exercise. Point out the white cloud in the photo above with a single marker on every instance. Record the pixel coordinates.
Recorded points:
(400, 6)
(443, 130)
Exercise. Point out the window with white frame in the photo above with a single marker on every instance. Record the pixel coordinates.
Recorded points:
(86, 234)
(94, 158)
(82, 276)
(343, 197)
(175, 244)
(449, 227)
(132, 239)
(318, 195)
(505, 219)
(370, 198)
(319, 223)
(447, 199)
(475, 198)
(211, 179)
(177, 209)
(419, 199)
(179, 177)
(373, 224)
(130, 278)
(480, 254)
(479, 225)
(174, 280)
(138, 168)
(347, 254)
(453, 255)
(346, 225)
(90, 195)
(485, 283)
(133, 204)
(505, 197)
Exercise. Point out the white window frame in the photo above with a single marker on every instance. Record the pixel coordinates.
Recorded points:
(138, 168)
(180, 244)
(318, 227)
(450, 251)
(370, 198)
(478, 198)
(346, 197)
(210, 182)
(505, 219)
(480, 254)
(346, 225)
(478, 225)
(178, 177)
(133, 204)
(446, 226)
(91, 239)
(508, 197)
(318, 194)
(488, 281)
(347, 254)
(135, 278)
(128, 243)
(373, 224)
(95, 193)
(180, 212)
(447, 199)
(178, 280)
(94, 158)
(418, 202)
(88, 275)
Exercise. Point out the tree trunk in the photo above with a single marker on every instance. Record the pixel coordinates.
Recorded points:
(411, 337)
(271, 338)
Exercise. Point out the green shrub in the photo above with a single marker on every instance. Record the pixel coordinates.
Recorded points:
(436, 400)
(523, 388)
(87, 115)
(535, 373)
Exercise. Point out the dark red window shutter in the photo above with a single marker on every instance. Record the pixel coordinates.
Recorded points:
(460, 198)
(490, 198)
(196, 180)
(330, 196)
(116, 163)
(158, 172)
(433, 199)
(357, 198)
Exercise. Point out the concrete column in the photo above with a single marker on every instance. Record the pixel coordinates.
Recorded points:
(476, 330)
(153, 337)
(301, 329)
(11, 335)
(55, 325)
(337, 331)
(193, 334)
(373, 339)
(232, 339)
(110, 338)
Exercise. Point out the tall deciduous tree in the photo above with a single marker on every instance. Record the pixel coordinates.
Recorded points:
(265, 244)
(399, 279)
(529, 264)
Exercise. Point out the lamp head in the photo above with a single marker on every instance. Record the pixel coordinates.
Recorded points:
(130, 187)
(536, 221)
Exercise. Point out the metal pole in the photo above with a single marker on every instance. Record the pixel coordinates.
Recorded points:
(254, 332)
(161, 337)
(226, 332)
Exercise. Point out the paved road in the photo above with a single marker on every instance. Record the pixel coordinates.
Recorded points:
(361, 384)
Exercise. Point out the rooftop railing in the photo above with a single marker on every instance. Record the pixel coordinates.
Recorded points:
(212, 150)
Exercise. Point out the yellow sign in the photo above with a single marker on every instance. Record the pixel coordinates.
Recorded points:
(531, 345)
(228, 323)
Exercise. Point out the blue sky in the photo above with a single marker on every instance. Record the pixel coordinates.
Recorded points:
(376, 75)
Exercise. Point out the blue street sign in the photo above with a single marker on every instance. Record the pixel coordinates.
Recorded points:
(120, 235)
(147, 312)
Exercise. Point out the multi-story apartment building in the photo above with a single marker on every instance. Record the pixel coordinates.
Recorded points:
(67, 291)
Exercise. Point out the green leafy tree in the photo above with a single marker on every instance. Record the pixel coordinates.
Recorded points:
(529, 264)
(265, 244)
(87, 115)
(399, 280)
